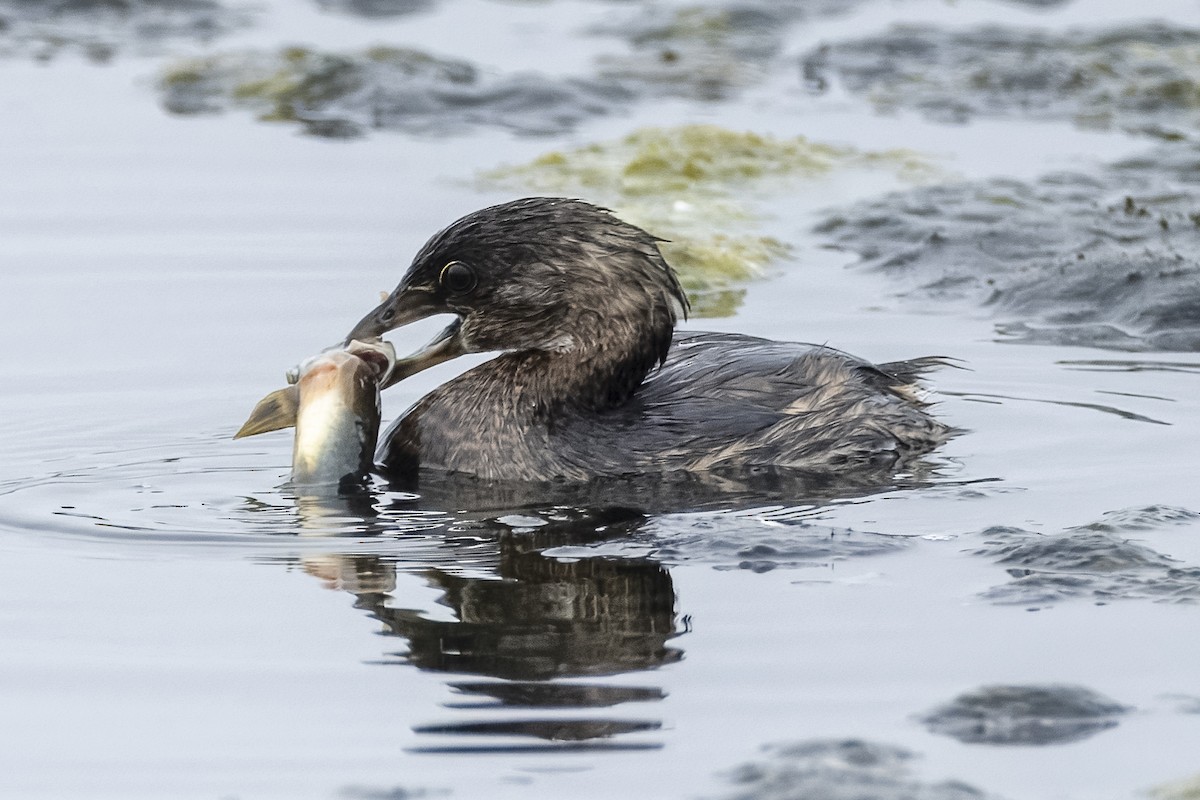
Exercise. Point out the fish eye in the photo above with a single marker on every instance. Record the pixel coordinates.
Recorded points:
(457, 278)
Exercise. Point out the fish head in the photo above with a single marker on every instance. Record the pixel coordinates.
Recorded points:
(334, 406)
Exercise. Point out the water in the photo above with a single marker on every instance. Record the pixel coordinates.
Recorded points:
(177, 624)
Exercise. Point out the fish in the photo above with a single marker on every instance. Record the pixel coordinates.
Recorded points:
(333, 401)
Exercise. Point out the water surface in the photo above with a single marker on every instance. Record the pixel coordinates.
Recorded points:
(178, 624)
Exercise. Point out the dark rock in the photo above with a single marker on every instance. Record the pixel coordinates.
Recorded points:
(377, 9)
(1025, 715)
(1092, 562)
(1080, 551)
(1141, 519)
(849, 769)
(706, 51)
(1108, 260)
(1142, 78)
(98, 29)
(700, 52)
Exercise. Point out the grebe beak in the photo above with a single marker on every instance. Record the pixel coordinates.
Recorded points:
(446, 345)
(404, 305)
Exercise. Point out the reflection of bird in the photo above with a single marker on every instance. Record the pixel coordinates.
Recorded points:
(583, 308)
(544, 618)
(547, 619)
(525, 620)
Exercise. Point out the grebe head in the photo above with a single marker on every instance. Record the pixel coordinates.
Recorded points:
(541, 274)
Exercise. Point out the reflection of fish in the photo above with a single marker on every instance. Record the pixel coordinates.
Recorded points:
(333, 402)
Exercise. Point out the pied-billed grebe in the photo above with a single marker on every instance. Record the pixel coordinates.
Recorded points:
(593, 380)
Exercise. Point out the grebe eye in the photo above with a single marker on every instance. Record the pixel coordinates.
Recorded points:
(457, 278)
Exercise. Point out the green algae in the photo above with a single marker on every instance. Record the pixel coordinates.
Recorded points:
(342, 94)
(707, 25)
(290, 84)
(690, 158)
(1188, 789)
(708, 265)
(698, 187)
(710, 25)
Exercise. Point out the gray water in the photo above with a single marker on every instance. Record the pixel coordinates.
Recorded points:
(175, 623)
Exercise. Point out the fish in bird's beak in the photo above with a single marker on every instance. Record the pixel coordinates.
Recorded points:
(410, 304)
(333, 402)
(276, 411)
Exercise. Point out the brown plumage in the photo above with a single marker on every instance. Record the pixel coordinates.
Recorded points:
(593, 380)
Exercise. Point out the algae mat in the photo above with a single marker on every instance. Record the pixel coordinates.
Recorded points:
(349, 94)
(705, 190)
(1140, 78)
(1103, 260)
